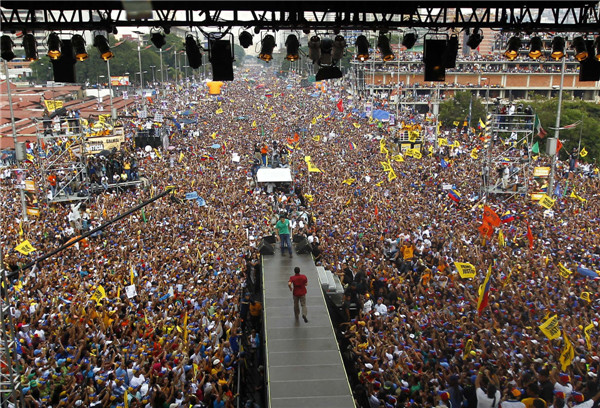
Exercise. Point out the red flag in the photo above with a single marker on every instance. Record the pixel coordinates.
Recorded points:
(486, 230)
(150, 99)
(340, 105)
(558, 146)
(296, 137)
(376, 211)
(491, 217)
(529, 236)
(148, 46)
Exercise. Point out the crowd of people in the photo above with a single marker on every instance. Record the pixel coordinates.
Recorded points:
(159, 308)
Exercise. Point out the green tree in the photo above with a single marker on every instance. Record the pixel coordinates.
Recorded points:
(457, 109)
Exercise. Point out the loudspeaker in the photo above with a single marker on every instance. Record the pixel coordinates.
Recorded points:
(589, 69)
(64, 67)
(303, 247)
(264, 248)
(433, 57)
(270, 239)
(297, 238)
(58, 112)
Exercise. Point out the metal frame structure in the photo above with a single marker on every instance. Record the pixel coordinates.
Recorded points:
(526, 16)
(9, 374)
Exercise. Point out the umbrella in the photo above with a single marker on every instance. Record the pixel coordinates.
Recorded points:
(216, 146)
(587, 272)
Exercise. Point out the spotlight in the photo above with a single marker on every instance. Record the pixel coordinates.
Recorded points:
(535, 48)
(596, 48)
(409, 40)
(245, 39)
(266, 48)
(6, 48)
(362, 45)
(475, 39)
(339, 45)
(292, 45)
(158, 39)
(512, 48)
(433, 57)
(558, 48)
(63, 68)
(383, 43)
(54, 46)
(101, 43)
(193, 52)
(30, 46)
(328, 72)
(580, 48)
(79, 47)
(221, 60)
(326, 47)
(314, 49)
(450, 53)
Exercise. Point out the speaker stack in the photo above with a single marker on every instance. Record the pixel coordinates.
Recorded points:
(265, 248)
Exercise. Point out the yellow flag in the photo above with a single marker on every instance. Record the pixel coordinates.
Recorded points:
(468, 349)
(99, 294)
(586, 333)
(416, 154)
(391, 175)
(20, 228)
(583, 152)
(25, 247)
(465, 270)
(398, 158)
(575, 195)
(313, 121)
(218, 111)
(185, 327)
(501, 241)
(442, 141)
(546, 201)
(456, 143)
(413, 135)
(567, 354)
(585, 296)
(253, 123)
(386, 166)
(181, 156)
(309, 197)
(456, 123)
(550, 328)
(131, 275)
(356, 125)
(214, 135)
(474, 154)
(273, 116)
(349, 181)
(158, 153)
(379, 184)
(564, 272)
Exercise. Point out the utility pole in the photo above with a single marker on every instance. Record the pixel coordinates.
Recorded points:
(162, 73)
(557, 130)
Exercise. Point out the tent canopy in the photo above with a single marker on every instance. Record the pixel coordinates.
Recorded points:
(268, 175)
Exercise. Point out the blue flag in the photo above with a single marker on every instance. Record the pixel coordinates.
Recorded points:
(444, 163)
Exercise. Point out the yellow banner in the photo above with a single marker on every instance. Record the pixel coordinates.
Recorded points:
(25, 247)
(442, 141)
(586, 331)
(465, 270)
(567, 354)
(564, 272)
(99, 294)
(541, 171)
(546, 201)
(550, 328)
(468, 349)
(53, 105)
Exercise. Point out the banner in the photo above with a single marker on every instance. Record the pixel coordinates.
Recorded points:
(586, 331)
(119, 80)
(465, 270)
(53, 105)
(546, 202)
(541, 171)
(99, 294)
(25, 248)
(567, 354)
(564, 272)
(550, 328)
(95, 145)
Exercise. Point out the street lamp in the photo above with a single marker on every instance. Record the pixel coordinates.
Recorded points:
(153, 79)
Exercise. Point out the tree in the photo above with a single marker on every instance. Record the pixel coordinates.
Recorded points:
(457, 109)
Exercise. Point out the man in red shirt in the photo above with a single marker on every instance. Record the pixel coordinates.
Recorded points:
(297, 285)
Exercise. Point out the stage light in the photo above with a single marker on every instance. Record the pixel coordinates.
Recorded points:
(451, 52)
(409, 40)
(326, 47)
(433, 57)
(221, 60)
(512, 48)
(79, 47)
(64, 67)
(158, 39)
(535, 48)
(383, 44)
(6, 48)
(328, 72)
(245, 39)
(54, 46)
(475, 39)
(101, 43)
(266, 49)
(314, 49)
(362, 46)
(581, 52)
(558, 48)
(589, 70)
(30, 47)
(596, 48)
(193, 52)
(339, 45)
(292, 45)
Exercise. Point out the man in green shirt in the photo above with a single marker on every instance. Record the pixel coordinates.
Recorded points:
(283, 230)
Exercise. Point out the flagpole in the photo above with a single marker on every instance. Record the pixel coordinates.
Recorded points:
(557, 130)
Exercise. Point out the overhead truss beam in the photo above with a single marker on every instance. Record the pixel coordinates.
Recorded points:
(556, 16)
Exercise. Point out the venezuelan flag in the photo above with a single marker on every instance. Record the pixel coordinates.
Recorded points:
(454, 195)
(484, 291)
(352, 145)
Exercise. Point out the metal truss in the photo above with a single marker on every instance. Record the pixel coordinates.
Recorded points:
(524, 16)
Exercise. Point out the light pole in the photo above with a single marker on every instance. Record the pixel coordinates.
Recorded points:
(557, 131)
(140, 34)
(112, 114)
(153, 78)
(186, 67)
(162, 75)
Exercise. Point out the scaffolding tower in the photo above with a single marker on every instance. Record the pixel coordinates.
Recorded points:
(507, 161)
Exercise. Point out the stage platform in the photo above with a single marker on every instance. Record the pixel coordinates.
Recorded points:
(304, 366)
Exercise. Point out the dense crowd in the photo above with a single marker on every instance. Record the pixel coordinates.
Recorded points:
(154, 309)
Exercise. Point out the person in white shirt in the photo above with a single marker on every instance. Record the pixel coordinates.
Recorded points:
(380, 307)
(579, 398)
(490, 397)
